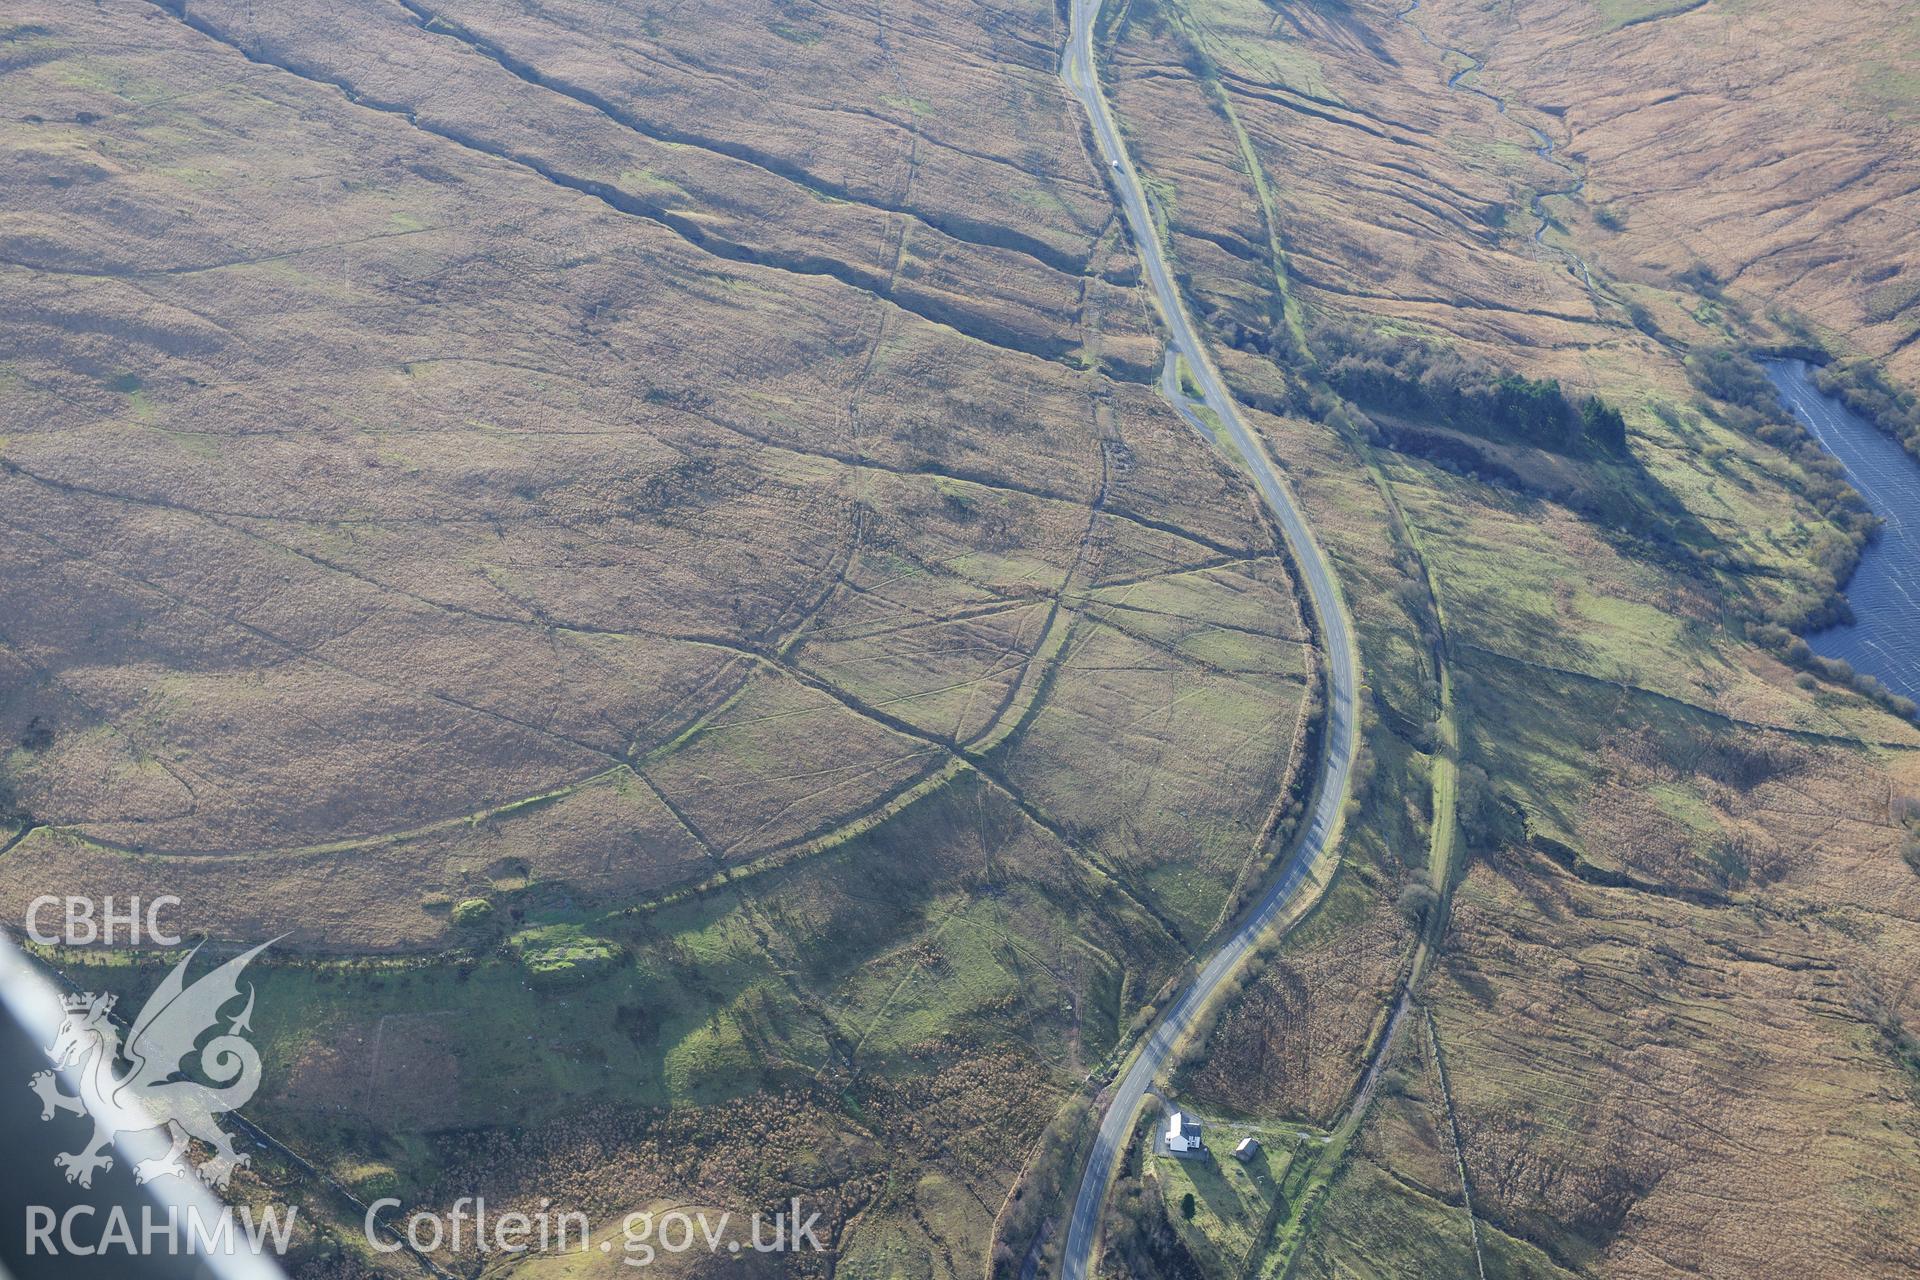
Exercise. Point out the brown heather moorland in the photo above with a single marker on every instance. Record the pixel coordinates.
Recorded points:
(640, 539)
(1674, 999)
(642, 535)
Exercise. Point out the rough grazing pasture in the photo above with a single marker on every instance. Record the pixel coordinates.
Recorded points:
(1667, 1028)
(640, 539)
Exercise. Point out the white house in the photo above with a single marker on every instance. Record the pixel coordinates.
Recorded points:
(1183, 1134)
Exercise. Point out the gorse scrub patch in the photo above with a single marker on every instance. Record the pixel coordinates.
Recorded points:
(1735, 379)
(1739, 393)
(1863, 388)
(1796, 651)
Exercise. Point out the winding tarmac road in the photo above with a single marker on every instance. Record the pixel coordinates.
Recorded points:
(1315, 850)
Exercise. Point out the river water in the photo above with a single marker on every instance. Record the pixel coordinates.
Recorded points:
(1884, 639)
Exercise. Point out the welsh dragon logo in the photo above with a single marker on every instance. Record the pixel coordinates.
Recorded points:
(155, 1093)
